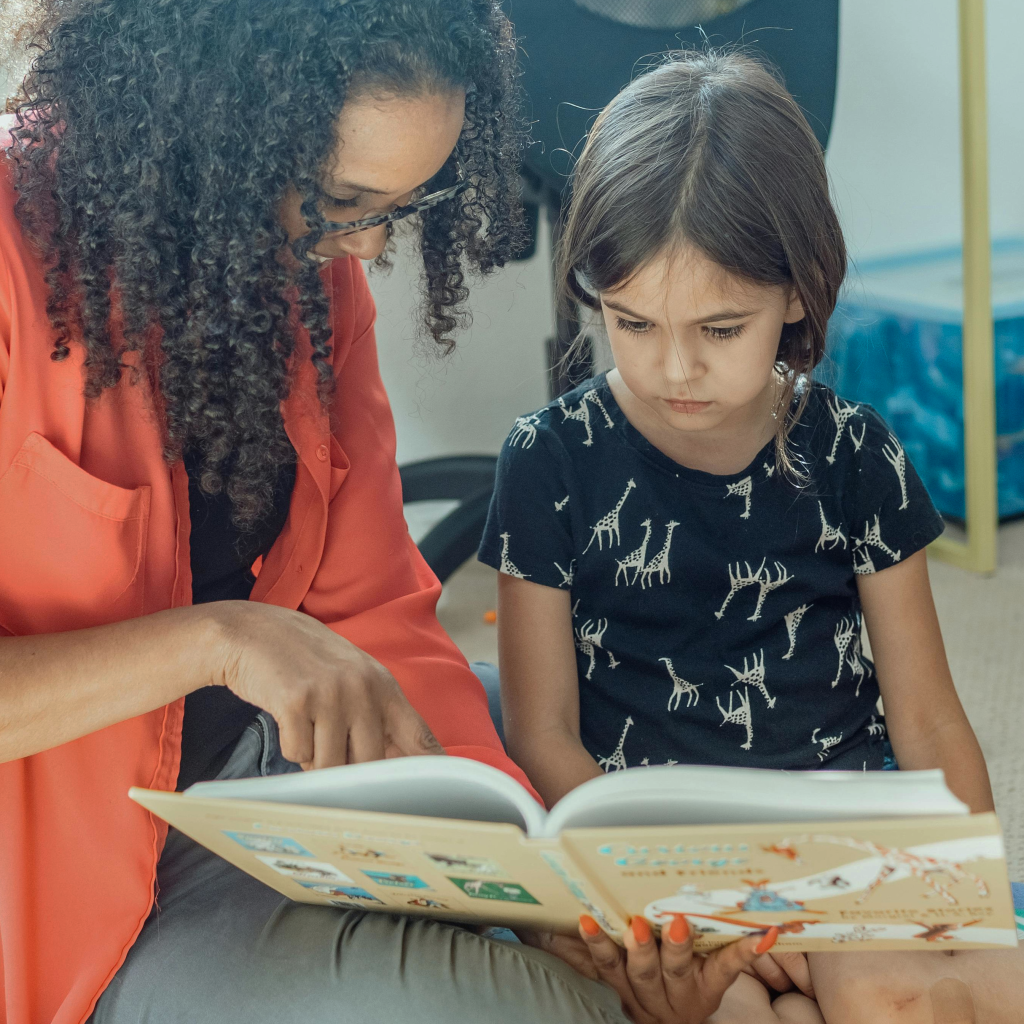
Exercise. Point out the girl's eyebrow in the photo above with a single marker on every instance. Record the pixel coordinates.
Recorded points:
(725, 314)
(358, 188)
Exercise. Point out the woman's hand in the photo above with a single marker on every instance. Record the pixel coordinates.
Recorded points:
(332, 702)
(782, 972)
(668, 985)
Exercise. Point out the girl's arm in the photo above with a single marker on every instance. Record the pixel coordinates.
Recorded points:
(539, 687)
(924, 716)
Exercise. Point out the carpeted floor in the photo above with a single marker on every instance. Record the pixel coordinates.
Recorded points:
(983, 625)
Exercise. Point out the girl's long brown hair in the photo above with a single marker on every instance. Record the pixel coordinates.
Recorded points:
(709, 149)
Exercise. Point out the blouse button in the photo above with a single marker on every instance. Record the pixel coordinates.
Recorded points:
(322, 453)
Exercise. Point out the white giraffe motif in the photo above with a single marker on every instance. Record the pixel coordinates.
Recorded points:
(738, 580)
(743, 489)
(842, 412)
(873, 537)
(897, 458)
(767, 585)
(646, 763)
(593, 396)
(862, 564)
(636, 559)
(506, 563)
(568, 575)
(792, 625)
(738, 716)
(830, 535)
(679, 687)
(559, 505)
(754, 676)
(613, 662)
(858, 442)
(588, 638)
(581, 414)
(856, 664)
(846, 629)
(616, 761)
(609, 523)
(922, 867)
(769, 470)
(827, 743)
(659, 563)
(875, 727)
(524, 429)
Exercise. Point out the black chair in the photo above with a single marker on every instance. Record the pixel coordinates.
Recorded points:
(575, 56)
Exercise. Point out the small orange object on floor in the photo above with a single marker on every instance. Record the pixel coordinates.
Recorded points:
(490, 618)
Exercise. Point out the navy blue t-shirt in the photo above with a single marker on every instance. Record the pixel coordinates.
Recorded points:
(716, 618)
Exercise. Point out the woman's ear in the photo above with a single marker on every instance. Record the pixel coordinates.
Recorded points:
(795, 310)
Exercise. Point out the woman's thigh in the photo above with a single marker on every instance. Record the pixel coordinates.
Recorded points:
(915, 987)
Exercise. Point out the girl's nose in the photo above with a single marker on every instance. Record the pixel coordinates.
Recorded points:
(365, 245)
(681, 365)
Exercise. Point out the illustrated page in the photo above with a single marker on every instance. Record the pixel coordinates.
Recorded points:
(930, 883)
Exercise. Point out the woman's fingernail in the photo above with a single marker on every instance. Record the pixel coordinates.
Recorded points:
(641, 930)
(589, 925)
(678, 930)
(768, 941)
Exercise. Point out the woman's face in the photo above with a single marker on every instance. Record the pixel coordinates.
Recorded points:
(388, 145)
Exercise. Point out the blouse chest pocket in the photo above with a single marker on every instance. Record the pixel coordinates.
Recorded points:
(72, 547)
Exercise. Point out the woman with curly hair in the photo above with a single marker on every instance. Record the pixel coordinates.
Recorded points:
(204, 568)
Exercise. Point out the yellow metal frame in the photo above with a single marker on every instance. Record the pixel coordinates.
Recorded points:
(979, 552)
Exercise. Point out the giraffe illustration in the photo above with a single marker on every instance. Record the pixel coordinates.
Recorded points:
(609, 523)
(767, 585)
(634, 560)
(595, 398)
(830, 535)
(743, 489)
(792, 625)
(679, 687)
(841, 413)
(754, 676)
(897, 458)
(827, 743)
(846, 630)
(567, 574)
(524, 429)
(582, 415)
(739, 716)
(858, 441)
(738, 580)
(856, 664)
(873, 537)
(862, 564)
(590, 637)
(506, 564)
(769, 470)
(659, 563)
(560, 505)
(613, 662)
(875, 727)
(616, 762)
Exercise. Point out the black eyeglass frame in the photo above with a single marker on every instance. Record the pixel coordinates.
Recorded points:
(417, 206)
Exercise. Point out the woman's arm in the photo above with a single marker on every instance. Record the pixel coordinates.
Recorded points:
(539, 687)
(926, 721)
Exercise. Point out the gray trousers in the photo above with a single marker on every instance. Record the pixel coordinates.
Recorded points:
(222, 948)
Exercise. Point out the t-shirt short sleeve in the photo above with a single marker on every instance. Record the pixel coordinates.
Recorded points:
(529, 531)
(888, 510)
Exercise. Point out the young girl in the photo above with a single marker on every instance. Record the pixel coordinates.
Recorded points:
(688, 545)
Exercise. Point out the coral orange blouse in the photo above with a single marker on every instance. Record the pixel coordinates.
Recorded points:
(94, 528)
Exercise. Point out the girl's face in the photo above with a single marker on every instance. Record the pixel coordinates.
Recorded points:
(387, 147)
(695, 346)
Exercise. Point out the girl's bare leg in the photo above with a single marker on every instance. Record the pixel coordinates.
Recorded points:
(796, 1008)
(747, 1001)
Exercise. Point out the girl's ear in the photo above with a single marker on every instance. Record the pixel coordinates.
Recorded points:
(795, 310)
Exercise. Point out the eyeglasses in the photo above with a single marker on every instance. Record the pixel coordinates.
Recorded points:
(417, 206)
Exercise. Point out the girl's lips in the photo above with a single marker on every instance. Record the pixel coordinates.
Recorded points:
(688, 407)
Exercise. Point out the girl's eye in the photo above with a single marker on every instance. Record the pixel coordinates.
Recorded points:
(633, 326)
(724, 333)
(347, 203)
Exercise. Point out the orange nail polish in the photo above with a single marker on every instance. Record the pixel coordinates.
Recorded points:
(641, 930)
(589, 925)
(768, 941)
(679, 929)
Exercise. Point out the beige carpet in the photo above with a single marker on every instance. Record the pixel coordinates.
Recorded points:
(983, 625)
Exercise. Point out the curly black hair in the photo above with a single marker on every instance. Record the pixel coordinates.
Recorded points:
(155, 140)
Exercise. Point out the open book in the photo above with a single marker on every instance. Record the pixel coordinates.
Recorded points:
(836, 860)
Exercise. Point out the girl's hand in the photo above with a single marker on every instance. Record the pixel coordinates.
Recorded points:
(668, 985)
(332, 702)
(783, 972)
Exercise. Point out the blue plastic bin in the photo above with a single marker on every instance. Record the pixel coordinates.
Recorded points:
(896, 342)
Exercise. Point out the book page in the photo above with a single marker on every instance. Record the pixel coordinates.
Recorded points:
(452, 870)
(929, 883)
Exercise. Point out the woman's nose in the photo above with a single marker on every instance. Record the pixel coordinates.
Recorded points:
(365, 245)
